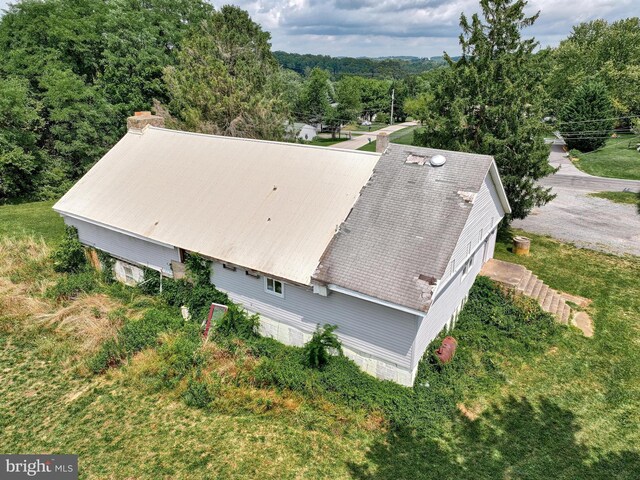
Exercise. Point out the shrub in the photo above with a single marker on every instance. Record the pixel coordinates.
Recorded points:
(382, 117)
(69, 257)
(71, 285)
(135, 336)
(107, 263)
(573, 153)
(179, 354)
(200, 391)
(317, 351)
(237, 322)
(109, 355)
(198, 269)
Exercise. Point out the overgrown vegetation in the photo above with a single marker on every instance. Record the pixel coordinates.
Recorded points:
(516, 375)
(70, 256)
(323, 343)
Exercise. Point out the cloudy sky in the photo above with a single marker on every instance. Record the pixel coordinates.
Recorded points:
(402, 27)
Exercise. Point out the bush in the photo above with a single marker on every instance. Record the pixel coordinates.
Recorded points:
(317, 351)
(107, 263)
(135, 336)
(69, 257)
(179, 354)
(70, 286)
(198, 269)
(573, 153)
(382, 117)
(109, 355)
(237, 322)
(200, 392)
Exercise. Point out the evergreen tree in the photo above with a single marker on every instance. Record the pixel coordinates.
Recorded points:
(585, 120)
(315, 96)
(490, 102)
(226, 80)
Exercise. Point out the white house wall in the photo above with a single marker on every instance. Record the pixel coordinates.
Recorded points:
(480, 228)
(380, 339)
(126, 247)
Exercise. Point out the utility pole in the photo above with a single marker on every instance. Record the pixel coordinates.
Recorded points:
(393, 96)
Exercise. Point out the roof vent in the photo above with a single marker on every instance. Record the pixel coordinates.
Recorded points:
(437, 160)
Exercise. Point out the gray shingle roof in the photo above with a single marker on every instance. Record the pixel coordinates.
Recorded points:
(399, 237)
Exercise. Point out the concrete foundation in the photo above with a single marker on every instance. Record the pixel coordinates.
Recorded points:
(373, 366)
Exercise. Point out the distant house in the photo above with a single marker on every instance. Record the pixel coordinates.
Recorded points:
(302, 131)
(385, 245)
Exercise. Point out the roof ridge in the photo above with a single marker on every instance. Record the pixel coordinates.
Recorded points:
(257, 140)
(457, 152)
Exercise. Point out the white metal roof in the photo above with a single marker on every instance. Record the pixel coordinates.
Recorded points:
(268, 206)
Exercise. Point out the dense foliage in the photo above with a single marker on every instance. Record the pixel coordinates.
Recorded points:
(491, 102)
(69, 257)
(229, 59)
(70, 73)
(588, 105)
(602, 51)
(323, 343)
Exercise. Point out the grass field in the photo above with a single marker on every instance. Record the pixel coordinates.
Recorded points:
(355, 127)
(615, 159)
(630, 198)
(327, 142)
(36, 218)
(519, 401)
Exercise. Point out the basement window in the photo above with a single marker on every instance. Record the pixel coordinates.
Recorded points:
(128, 273)
(228, 267)
(274, 287)
(252, 273)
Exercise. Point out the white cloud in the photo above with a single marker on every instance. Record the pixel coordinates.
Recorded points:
(401, 27)
(404, 27)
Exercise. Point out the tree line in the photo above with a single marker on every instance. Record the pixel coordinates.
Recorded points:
(71, 72)
(389, 68)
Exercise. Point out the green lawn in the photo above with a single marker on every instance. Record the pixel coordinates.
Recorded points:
(36, 218)
(356, 127)
(327, 142)
(615, 159)
(629, 198)
(522, 399)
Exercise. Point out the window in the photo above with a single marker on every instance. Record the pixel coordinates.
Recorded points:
(228, 267)
(251, 273)
(467, 266)
(274, 287)
(128, 274)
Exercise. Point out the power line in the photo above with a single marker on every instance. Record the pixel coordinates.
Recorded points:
(597, 120)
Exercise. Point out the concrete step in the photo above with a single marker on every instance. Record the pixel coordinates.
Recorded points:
(542, 293)
(566, 314)
(522, 284)
(536, 289)
(530, 285)
(548, 299)
(555, 303)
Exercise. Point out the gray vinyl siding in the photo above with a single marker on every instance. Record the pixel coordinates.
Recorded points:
(124, 246)
(379, 331)
(487, 210)
(448, 300)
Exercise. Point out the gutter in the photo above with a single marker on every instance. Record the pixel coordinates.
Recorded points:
(369, 298)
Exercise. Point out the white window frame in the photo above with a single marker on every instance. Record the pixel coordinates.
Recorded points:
(272, 291)
(467, 267)
(128, 273)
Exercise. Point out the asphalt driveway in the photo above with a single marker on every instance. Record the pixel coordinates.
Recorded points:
(586, 221)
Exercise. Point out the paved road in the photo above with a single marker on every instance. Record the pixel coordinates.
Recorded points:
(361, 141)
(589, 222)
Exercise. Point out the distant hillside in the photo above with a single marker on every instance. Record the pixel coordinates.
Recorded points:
(384, 67)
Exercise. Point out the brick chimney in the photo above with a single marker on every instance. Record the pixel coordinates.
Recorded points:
(382, 142)
(139, 120)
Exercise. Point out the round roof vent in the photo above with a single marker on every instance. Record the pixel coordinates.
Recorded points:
(437, 160)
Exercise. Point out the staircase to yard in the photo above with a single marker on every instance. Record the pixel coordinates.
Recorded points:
(525, 282)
